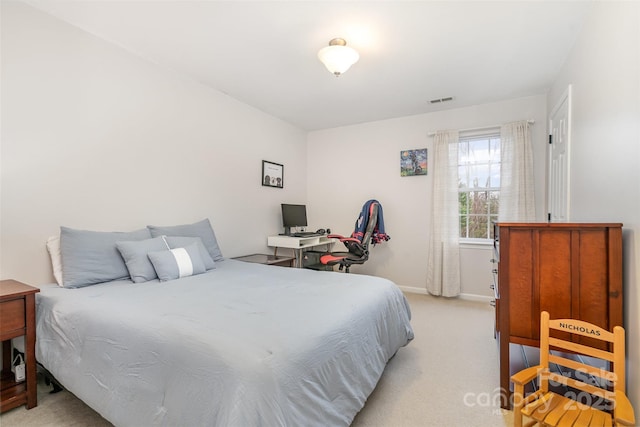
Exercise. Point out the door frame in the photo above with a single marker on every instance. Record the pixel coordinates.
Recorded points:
(566, 96)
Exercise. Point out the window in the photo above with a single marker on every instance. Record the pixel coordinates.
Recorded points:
(478, 184)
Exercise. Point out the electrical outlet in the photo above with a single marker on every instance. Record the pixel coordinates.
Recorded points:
(20, 372)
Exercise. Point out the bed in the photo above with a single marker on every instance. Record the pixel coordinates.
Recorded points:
(242, 344)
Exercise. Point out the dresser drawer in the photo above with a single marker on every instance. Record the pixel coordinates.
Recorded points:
(12, 315)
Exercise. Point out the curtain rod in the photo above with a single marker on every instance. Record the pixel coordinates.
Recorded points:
(482, 128)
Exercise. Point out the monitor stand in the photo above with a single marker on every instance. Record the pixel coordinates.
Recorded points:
(287, 232)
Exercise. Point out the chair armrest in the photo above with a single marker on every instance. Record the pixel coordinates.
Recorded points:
(624, 411)
(335, 236)
(526, 375)
(342, 238)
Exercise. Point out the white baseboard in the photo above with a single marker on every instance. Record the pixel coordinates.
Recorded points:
(413, 290)
(468, 297)
(473, 297)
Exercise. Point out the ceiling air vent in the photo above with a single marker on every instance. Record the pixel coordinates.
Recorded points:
(439, 100)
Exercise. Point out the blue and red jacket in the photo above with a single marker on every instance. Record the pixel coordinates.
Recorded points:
(379, 234)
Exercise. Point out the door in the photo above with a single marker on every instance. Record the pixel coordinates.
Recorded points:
(559, 139)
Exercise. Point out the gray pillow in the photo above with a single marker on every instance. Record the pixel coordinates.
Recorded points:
(90, 257)
(201, 229)
(177, 263)
(136, 259)
(180, 242)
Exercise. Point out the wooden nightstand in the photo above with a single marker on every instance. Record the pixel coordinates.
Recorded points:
(17, 318)
(283, 261)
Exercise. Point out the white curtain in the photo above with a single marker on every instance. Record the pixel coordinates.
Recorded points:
(517, 201)
(443, 263)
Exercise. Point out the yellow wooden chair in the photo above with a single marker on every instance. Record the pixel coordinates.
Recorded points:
(603, 403)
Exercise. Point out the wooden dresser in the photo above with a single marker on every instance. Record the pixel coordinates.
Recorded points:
(17, 318)
(571, 270)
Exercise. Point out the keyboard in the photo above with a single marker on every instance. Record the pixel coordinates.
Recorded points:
(304, 234)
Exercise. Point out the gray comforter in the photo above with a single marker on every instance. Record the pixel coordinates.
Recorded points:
(242, 345)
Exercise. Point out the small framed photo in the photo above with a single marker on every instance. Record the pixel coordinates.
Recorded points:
(272, 174)
(413, 162)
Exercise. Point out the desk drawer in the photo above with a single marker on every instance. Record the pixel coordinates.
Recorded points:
(12, 315)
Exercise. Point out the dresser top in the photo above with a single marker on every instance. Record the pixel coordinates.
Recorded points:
(542, 224)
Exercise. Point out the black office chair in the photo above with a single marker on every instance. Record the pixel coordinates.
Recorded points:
(369, 228)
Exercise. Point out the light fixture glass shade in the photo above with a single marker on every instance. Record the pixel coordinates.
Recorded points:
(338, 57)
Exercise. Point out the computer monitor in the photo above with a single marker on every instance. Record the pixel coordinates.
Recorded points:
(293, 216)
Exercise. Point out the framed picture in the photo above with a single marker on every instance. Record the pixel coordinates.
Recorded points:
(413, 162)
(272, 174)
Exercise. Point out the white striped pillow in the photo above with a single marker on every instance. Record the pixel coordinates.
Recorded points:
(176, 263)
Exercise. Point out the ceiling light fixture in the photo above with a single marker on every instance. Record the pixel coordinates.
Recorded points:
(338, 57)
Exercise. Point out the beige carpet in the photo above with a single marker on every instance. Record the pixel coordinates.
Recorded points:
(447, 376)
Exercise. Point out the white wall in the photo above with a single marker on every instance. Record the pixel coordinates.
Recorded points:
(604, 71)
(94, 137)
(349, 165)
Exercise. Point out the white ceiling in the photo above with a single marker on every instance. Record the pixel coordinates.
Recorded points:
(264, 52)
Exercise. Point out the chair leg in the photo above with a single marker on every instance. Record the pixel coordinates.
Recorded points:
(518, 403)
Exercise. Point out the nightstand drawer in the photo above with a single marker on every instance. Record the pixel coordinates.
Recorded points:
(12, 316)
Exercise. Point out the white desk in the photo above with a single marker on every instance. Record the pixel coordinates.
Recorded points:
(299, 244)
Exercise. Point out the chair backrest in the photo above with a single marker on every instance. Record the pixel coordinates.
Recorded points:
(360, 248)
(371, 225)
(592, 381)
